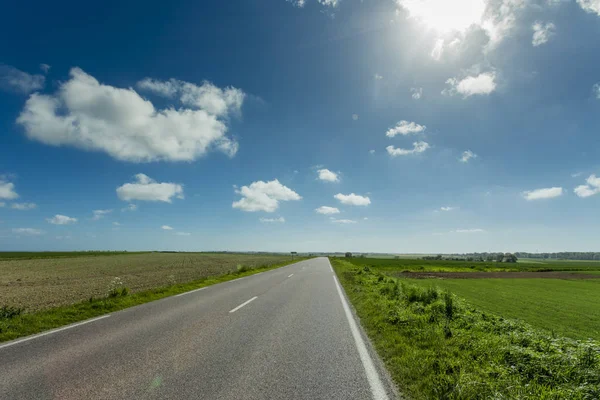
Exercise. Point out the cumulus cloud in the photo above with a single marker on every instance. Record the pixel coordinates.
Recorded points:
(352, 199)
(417, 93)
(280, 220)
(436, 52)
(116, 223)
(17, 81)
(147, 189)
(99, 214)
(130, 207)
(327, 3)
(264, 196)
(166, 228)
(86, 114)
(327, 210)
(183, 233)
(327, 175)
(23, 206)
(7, 190)
(466, 156)
(591, 188)
(590, 6)
(546, 193)
(343, 221)
(418, 147)
(542, 32)
(355, 117)
(447, 208)
(27, 231)
(405, 128)
(596, 90)
(45, 68)
(61, 220)
(482, 84)
(378, 77)
(371, 151)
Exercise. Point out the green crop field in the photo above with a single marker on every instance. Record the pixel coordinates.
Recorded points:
(40, 283)
(566, 307)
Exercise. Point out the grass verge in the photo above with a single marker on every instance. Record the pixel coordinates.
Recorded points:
(15, 324)
(438, 346)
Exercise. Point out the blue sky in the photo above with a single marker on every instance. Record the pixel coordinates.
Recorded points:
(416, 126)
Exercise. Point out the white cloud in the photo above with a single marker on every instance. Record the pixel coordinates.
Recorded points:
(207, 96)
(14, 80)
(405, 128)
(438, 49)
(7, 190)
(146, 189)
(327, 210)
(542, 32)
(130, 207)
(166, 228)
(592, 187)
(45, 68)
(27, 231)
(355, 117)
(61, 220)
(474, 230)
(378, 77)
(365, 218)
(352, 199)
(467, 155)
(117, 223)
(482, 84)
(87, 114)
(23, 206)
(371, 151)
(329, 3)
(99, 214)
(576, 174)
(264, 196)
(590, 6)
(273, 220)
(418, 147)
(547, 193)
(183, 233)
(343, 221)
(327, 175)
(596, 90)
(447, 208)
(417, 93)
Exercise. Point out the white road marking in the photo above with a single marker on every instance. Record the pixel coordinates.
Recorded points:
(53, 331)
(191, 291)
(290, 275)
(377, 389)
(331, 268)
(243, 304)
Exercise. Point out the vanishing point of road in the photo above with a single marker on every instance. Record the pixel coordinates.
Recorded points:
(283, 334)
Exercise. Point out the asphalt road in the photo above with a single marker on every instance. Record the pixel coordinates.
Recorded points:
(282, 334)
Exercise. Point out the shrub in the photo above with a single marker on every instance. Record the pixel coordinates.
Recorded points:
(116, 288)
(242, 268)
(7, 312)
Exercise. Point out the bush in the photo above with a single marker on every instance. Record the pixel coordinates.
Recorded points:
(242, 268)
(7, 312)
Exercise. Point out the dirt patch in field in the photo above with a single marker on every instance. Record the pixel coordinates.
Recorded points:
(490, 275)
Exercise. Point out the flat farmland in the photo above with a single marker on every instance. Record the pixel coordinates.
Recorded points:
(41, 283)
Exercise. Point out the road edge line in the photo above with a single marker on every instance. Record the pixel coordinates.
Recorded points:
(28, 338)
(377, 389)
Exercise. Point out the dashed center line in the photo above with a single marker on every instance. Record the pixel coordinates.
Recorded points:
(243, 304)
(290, 275)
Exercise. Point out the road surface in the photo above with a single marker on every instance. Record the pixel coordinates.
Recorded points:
(282, 334)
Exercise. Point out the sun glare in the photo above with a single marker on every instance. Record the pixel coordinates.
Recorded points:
(445, 15)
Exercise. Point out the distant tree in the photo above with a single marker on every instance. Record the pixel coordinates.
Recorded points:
(510, 258)
(348, 255)
(293, 254)
(499, 257)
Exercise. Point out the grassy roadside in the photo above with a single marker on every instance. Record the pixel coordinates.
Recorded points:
(14, 324)
(438, 346)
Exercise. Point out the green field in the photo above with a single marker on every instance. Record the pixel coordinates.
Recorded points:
(436, 345)
(566, 307)
(418, 265)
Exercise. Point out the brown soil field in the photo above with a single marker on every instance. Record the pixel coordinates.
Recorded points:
(44, 283)
(491, 275)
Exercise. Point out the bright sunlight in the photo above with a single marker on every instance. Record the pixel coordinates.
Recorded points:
(443, 15)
